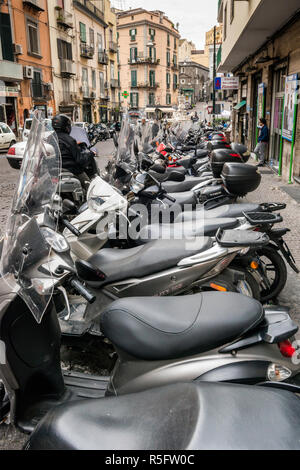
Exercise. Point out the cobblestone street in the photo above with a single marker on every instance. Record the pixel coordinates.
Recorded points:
(270, 190)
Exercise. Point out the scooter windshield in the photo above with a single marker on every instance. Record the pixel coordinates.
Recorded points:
(25, 247)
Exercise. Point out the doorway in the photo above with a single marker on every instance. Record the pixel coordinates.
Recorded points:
(276, 122)
(257, 79)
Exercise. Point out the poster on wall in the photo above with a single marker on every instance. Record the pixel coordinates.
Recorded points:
(290, 101)
(260, 102)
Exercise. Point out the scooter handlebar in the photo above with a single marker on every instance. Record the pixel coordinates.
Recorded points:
(80, 288)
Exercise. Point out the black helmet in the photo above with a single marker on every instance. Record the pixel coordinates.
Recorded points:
(62, 123)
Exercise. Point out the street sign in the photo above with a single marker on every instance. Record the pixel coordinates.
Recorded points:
(125, 94)
(227, 83)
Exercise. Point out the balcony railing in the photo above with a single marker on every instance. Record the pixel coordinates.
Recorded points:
(113, 46)
(86, 51)
(67, 68)
(93, 11)
(114, 83)
(64, 19)
(102, 58)
(143, 59)
(145, 85)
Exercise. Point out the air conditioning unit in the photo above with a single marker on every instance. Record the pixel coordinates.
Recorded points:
(28, 71)
(18, 49)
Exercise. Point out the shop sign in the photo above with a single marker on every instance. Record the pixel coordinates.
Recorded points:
(227, 83)
(9, 91)
(290, 107)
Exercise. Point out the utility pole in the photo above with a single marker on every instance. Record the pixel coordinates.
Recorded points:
(214, 77)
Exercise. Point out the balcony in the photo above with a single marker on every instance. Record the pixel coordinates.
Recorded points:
(147, 85)
(143, 59)
(40, 91)
(102, 58)
(67, 68)
(114, 83)
(34, 5)
(104, 97)
(86, 51)
(10, 71)
(113, 46)
(64, 19)
(68, 98)
(87, 7)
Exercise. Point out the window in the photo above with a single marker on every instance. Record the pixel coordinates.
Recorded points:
(133, 78)
(112, 70)
(151, 99)
(182, 69)
(175, 81)
(64, 50)
(132, 34)
(175, 43)
(182, 81)
(168, 40)
(134, 100)
(175, 60)
(168, 80)
(94, 85)
(111, 35)
(82, 32)
(152, 77)
(168, 98)
(133, 54)
(152, 53)
(6, 43)
(168, 59)
(100, 42)
(225, 22)
(33, 37)
(85, 79)
(36, 85)
(92, 38)
(5, 129)
(152, 34)
(101, 78)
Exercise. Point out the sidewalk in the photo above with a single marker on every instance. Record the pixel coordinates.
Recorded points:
(272, 189)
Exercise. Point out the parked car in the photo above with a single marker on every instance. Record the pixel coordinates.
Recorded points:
(27, 127)
(82, 125)
(7, 136)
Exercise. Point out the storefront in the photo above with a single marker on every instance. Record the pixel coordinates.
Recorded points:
(279, 77)
(103, 113)
(8, 105)
(87, 112)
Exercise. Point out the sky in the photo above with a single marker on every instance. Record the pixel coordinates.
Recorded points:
(195, 17)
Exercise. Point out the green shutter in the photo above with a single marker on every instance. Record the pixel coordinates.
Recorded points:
(133, 78)
(82, 32)
(6, 37)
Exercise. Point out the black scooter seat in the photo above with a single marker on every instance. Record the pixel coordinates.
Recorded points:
(228, 211)
(188, 229)
(151, 329)
(186, 416)
(181, 186)
(143, 260)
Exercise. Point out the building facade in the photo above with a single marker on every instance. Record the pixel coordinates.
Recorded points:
(148, 51)
(261, 46)
(192, 78)
(29, 39)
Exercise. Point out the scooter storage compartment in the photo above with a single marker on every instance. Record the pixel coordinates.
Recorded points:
(240, 179)
(220, 157)
(218, 144)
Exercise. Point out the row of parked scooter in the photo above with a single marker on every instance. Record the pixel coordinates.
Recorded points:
(161, 277)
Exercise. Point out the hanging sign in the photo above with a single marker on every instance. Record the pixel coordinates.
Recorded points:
(227, 83)
(290, 102)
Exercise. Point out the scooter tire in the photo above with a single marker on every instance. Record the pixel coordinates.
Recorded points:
(280, 274)
(252, 285)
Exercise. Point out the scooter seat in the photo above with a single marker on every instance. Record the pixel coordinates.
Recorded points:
(182, 199)
(230, 211)
(188, 229)
(144, 260)
(185, 416)
(181, 186)
(175, 327)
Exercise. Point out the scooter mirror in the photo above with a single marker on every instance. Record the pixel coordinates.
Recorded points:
(116, 142)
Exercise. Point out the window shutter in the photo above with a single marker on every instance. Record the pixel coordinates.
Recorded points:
(6, 37)
(59, 49)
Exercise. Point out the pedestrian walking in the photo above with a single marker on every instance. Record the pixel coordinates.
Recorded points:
(263, 141)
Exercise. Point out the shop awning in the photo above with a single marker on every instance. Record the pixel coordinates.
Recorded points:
(240, 105)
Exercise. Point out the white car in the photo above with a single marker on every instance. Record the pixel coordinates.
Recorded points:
(16, 152)
(27, 127)
(7, 136)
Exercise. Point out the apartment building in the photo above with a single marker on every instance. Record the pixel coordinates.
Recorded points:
(192, 78)
(64, 55)
(148, 51)
(112, 111)
(11, 73)
(29, 41)
(261, 46)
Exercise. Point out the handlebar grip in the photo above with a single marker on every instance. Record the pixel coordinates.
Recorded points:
(83, 291)
(170, 198)
(71, 227)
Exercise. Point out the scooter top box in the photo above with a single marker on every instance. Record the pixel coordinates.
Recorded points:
(220, 157)
(240, 179)
(218, 144)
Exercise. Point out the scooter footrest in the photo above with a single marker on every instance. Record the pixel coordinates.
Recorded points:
(273, 206)
(235, 238)
(259, 218)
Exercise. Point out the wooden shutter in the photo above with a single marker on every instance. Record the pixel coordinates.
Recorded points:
(6, 37)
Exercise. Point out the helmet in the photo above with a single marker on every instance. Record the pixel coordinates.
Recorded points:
(62, 123)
